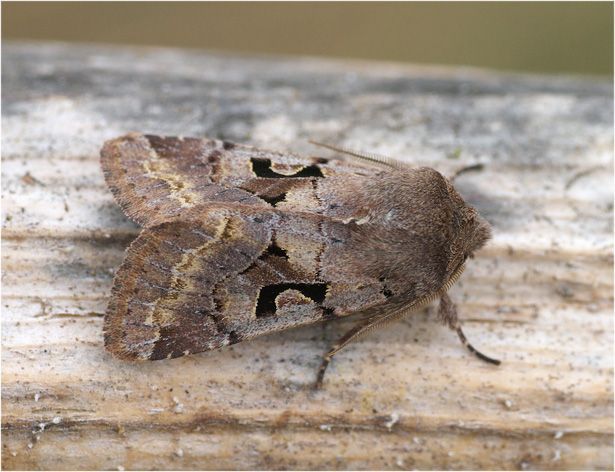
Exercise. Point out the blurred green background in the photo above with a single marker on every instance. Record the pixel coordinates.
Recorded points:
(562, 37)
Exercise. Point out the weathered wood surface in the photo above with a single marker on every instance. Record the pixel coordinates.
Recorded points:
(539, 296)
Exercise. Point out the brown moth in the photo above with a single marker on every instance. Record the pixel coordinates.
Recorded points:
(238, 242)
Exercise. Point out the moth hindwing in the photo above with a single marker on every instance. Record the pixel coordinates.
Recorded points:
(238, 242)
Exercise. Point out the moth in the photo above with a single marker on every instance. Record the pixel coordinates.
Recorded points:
(238, 242)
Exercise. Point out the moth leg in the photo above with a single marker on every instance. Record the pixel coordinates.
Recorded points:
(447, 314)
(366, 156)
(343, 341)
(357, 331)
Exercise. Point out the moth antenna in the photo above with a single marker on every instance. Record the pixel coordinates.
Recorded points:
(364, 327)
(373, 322)
(463, 170)
(367, 156)
(472, 349)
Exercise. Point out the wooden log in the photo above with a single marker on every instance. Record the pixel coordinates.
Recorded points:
(539, 296)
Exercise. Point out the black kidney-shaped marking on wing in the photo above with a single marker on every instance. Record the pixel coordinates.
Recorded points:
(262, 168)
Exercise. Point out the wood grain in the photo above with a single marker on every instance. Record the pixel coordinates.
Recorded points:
(540, 296)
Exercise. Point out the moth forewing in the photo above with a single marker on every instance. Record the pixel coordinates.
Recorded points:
(240, 242)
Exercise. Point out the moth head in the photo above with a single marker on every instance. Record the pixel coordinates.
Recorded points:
(476, 232)
(471, 230)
